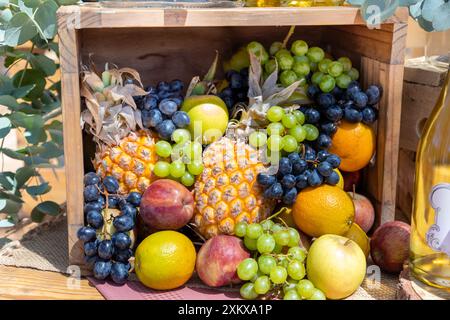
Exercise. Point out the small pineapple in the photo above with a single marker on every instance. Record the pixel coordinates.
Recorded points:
(123, 150)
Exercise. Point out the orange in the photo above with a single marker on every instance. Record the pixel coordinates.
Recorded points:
(340, 184)
(354, 143)
(165, 260)
(358, 235)
(323, 210)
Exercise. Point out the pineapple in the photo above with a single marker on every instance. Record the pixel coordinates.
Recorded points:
(227, 191)
(123, 150)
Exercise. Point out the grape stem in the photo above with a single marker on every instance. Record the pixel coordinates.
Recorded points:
(288, 36)
(284, 209)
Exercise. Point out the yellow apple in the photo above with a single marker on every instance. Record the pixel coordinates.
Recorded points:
(336, 265)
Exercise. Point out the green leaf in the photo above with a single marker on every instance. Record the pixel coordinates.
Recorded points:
(406, 3)
(9, 206)
(19, 30)
(430, 8)
(67, 2)
(441, 20)
(13, 154)
(11, 196)
(24, 8)
(32, 3)
(6, 85)
(5, 127)
(5, 15)
(7, 180)
(30, 122)
(45, 16)
(21, 92)
(374, 12)
(10, 102)
(31, 76)
(55, 131)
(36, 215)
(43, 63)
(52, 150)
(54, 46)
(23, 175)
(38, 190)
(425, 24)
(416, 9)
(49, 207)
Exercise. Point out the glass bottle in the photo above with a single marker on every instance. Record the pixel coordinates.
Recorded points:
(430, 225)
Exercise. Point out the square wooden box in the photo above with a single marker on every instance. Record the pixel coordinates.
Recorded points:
(180, 43)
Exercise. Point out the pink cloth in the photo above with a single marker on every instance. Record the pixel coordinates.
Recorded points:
(134, 290)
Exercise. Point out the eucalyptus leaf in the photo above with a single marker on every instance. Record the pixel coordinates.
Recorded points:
(45, 16)
(49, 207)
(9, 102)
(13, 154)
(32, 3)
(9, 206)
(7, 180)
(430, 8)
(23, 175)
(19, 30)
(31, 76)
(406, 3)
(5, 15)
(21, 92)
(6, 85)
(441, 19)
(27, 121)
(38, 190)
(36, 215)
(5, 127)
(54, 47)
(425, 24)
(10, 196)
(35, 135)
(52, 150)
(43, 63)
(24, 8)
(415, 10)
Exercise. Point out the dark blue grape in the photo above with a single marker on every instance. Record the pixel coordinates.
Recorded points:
(312, 115)
(310, 154)
(105, 249)
(101, 200)
(325, 168)
(123, 255)
(167, 107)
(288, 181)
(334, 113)
(265, 179)
(353, 87)
(134, 198)
(301, 181)
(119, 273)
(176, 85)
(275, 191)
(323, 141)
(90, 261)
(91, 178)
(360, 99)
(163, 86)
(94, 219)
(177, 100)
(121, 240)
(165, 129)
(290, 196)
(93, 206)
(91, 193)
(369, 115)
(352, 115)
(322, 155)
(315, 179)
(294, 157)
(236, 81)
(150, 102)
(124, 223)
(181, 119)
(162, 95)
(102, 269)
(332, 179)
(229, 101)
(229, 74)
(227, 92)
(313, 91)
(373, 94)
(337, 92)
(152, 118)
(299, 167)
(328, 128)
(150, 90)
(90, 248)
(326, 100)
(111, 184)
(86, 234)
(285, 166)
(334, 160)
(113, 201)
(129, 209)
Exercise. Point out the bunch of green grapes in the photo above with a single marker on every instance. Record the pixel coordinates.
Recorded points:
(286, 131)
(278, 269)
(180, 161)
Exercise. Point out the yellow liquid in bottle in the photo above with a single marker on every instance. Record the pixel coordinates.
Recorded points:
(430, 225)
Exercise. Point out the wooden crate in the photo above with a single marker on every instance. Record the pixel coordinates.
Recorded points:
(180, 43)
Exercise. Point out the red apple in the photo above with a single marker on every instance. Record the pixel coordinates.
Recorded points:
(166, 205)
(218, 259)
(350, 179)
(389, 246)
(364, 211)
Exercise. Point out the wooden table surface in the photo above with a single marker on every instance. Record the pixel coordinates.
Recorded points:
(30, 284)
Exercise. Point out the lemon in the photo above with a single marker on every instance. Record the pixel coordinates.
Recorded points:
(165, 260)
(340, 184)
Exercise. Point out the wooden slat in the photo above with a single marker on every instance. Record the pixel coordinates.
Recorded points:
(29, 284)
(95, 16)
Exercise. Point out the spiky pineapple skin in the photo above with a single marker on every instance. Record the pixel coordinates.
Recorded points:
(131, 162)
(227, 192)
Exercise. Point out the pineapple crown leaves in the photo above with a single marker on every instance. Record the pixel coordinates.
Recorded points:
(111, 112)
(205, 86)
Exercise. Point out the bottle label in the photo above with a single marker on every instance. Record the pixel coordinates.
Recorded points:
(438, 235)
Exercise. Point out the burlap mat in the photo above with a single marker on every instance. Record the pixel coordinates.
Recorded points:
(45, 248)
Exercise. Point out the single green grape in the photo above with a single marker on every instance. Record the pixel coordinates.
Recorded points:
(270, 66)
(275, 113)
(299, 48)
(283, 262)
(315, 54)
(163, 149)
(296, 270)
(187, 179)
(247, 291)
(335, 69)
(275, 128)
(305, 288)
(300, 116)
(312, 133)
(294, 237)
(181, 135)
(267, 224)
(317, 77)
(284, 59)
(254, 231)
(327, 83)
(275, 47)
(301, 59)
(298, 132)
(264, 57)
(256, 48)
(317, 295)
(240, 229)
(290, 144)
(195, 152)
(278, 275)
(266, 263)
(288, 120)
(250, 244)
(161, 169)
(277, 249)
(265, 243)
(276, 227)
(291, 295)
(247, 269)
(195, 167)
(177, 169)
(288, 77)
(282, 237)
(301, 68)
(262, 285)
(297, 253)
(343, 81)
(346, 63)
(257, 139)
(290, 284)
(323, 65)
(313, 66)
(353, 74)
(275, 143)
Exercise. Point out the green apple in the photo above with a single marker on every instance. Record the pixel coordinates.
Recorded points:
(336, 265)
(209, 117)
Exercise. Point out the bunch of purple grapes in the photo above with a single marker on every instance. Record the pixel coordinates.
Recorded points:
(237, 89)
(108, 255)
(352, 104)
(298, 171)
(160, 108)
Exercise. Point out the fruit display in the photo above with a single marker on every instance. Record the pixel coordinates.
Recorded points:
(251, 171)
